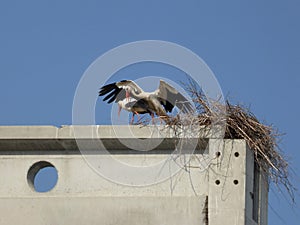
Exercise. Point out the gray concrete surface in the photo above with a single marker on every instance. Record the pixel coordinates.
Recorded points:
(83, 196)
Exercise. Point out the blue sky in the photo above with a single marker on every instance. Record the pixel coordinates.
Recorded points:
(252, 47)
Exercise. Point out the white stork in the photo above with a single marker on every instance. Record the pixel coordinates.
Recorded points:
(160, 101)
(137, 107)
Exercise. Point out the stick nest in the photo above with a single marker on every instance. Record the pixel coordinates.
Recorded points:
(240, 123)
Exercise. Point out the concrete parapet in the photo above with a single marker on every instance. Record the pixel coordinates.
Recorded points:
(222, 192)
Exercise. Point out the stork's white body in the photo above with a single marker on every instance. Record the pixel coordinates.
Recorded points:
(160, 101)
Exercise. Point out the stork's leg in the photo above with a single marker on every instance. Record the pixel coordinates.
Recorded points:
(161, 119)
(138, 115)
(132, 119)
(152, 118)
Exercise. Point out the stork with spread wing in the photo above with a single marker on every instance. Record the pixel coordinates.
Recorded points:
(161, 101)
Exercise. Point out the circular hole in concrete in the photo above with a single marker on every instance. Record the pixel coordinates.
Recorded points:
(218, 154)
(235, 182)
(218, 182)
(42, 176)
(236, 154)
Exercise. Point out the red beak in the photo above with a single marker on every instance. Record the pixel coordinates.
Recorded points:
(119, 111)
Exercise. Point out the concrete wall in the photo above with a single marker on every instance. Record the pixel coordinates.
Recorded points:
(221, 193)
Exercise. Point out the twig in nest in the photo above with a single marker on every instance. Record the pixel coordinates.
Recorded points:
(240, 123)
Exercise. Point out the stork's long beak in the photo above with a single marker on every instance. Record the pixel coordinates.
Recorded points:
(119, 111)
(127, 96)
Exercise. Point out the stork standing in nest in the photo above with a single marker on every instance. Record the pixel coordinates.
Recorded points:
(133, 98)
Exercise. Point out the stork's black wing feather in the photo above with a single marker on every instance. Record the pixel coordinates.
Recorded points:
(113, 92)
(167, 105)
(170, 97)
(140, 106)
(106, 89)
(180, 102)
